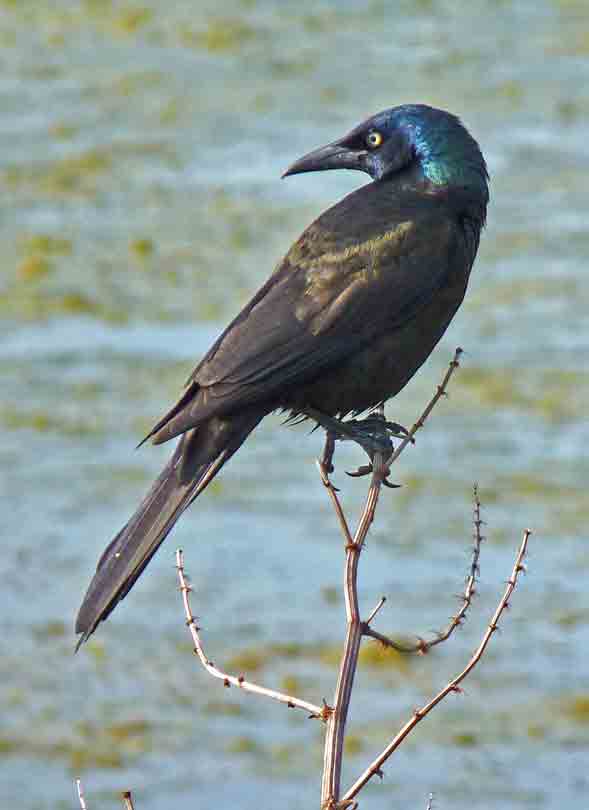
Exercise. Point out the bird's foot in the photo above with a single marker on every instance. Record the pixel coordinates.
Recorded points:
(374, 434)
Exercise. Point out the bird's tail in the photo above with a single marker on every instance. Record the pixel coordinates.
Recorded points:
(200, 454)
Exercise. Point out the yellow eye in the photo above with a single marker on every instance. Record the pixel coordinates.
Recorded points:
(373, 139)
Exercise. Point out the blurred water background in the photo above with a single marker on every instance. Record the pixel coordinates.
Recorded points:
(141, 145)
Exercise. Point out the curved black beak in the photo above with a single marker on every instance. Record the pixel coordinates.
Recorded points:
(332, 156)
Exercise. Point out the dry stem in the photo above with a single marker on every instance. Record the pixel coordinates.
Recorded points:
(234, 680)
(128, 800)
(376, 766)
(81, 797)
(441, 392)
(336, 722)
(421, 645)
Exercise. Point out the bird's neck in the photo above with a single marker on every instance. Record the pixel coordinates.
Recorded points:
(464, 190)
(460, 171)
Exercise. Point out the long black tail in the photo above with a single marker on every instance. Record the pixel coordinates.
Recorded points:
(199, 456)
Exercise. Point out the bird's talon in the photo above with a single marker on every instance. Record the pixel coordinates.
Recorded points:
(365, 469)
(396, 430)
(389, 485)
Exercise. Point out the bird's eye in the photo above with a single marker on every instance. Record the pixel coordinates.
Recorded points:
(373, 139)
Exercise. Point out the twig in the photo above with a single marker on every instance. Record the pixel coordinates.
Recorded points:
(376, 766)
(374, 611)
(81, 797)
(336, 502)
(233, 680)
(441, 392)
(128, 800)
(421, 645)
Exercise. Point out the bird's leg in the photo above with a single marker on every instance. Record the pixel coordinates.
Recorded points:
(326, 460)
(374, 434)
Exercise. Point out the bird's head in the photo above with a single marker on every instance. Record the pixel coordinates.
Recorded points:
(430, 144)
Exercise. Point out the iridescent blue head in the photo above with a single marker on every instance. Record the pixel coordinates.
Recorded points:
(414, 144)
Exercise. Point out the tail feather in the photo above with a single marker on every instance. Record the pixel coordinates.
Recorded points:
(199, 456)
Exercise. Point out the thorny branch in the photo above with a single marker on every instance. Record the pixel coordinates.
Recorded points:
(234, 680)
(336, 722)
(81, 798)
(335, 717)
(421, 645)
(441, 392)
(356, 628)
(454, 685)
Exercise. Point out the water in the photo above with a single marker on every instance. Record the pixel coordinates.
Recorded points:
(141, 147)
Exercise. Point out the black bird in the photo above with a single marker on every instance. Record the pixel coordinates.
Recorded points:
(346, 319)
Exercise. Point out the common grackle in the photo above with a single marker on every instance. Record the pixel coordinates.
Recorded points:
(346, 319)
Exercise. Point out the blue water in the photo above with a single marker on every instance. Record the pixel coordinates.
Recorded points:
(141, 149)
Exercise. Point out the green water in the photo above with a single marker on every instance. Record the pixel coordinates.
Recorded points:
(141, 146)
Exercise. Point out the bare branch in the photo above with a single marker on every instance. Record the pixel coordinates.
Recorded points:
(81, 797)
(233, 680)
(421, 645)
(128, 800)
(376, 766)
(336, 723)
(323, 472)
(441, 392)
(374, 611)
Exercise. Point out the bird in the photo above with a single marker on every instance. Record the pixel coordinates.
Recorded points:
(345, 320)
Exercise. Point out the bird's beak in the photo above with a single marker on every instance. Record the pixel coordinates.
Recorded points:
(332, 156)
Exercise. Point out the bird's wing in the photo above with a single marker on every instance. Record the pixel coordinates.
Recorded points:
(331, 295)
(321, 305)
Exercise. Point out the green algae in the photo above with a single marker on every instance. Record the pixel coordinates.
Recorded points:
(353, 745)
(577, 709)
(376, 656)
(465, 739)
(142, 248)
(33, 268)
(46, 244)
(554, 395)
(77, 173)
(373, 656)
(13, 418)
(242, 745)
(290, 684)
(221, 35)
(223, 708)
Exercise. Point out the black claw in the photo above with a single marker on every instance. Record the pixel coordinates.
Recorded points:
(396, 430)
(388, 484)
(365, 469)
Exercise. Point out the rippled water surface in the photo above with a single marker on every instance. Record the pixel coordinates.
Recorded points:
(141, 145)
